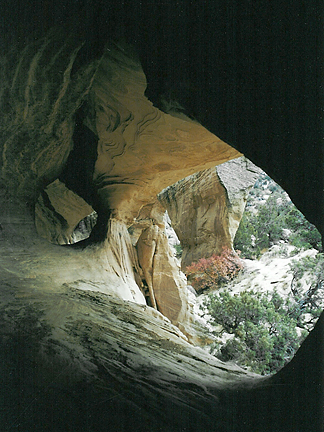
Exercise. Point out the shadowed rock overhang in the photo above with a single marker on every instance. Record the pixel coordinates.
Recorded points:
(118, 102)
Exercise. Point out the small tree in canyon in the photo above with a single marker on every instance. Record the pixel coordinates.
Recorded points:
(308, 304)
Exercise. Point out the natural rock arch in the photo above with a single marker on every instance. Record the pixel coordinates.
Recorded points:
(59, 333)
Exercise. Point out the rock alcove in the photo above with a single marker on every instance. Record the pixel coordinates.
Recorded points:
(104, 121)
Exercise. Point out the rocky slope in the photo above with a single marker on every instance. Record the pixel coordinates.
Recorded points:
(80, 348)
(276, 269)
(74, 356)
(271, 272)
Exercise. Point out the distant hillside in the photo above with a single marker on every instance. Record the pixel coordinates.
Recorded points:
(271, 218)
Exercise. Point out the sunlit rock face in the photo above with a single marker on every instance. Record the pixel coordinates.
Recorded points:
(76, 332)
(120, 140)
(206, 208)
(159, 276)
(98, 144)
(140, 148)
(237, 177)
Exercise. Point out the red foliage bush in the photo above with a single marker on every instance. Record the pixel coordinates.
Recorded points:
(212, 272)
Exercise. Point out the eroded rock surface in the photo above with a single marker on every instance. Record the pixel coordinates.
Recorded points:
(238, 177)
(75, 325)
(160, 275)
(76, 355)
(206, 208)
(140, 148)
(62, 216)
(98, 144)
(74, 108)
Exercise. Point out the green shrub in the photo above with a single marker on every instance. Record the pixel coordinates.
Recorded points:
(245, 236)
(261, 229)
(264, 227)
(178, 249)
(264, 332)
(304, 234)
(264, 325)
(212, 272)
(310, 302)
(313, 267)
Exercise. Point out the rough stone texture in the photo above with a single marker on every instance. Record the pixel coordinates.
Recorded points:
(74, 357)
(40, 96)
(109, 266)
(251, 78)
(125, 151)
(124, 140)
(160, 275)
(58, 212)
(206, 208)
(169, 286)
(74, 329)
(236, 79)
(228, 87)
(237, 177)
(171, 234)
(146, 247)
(140, 148)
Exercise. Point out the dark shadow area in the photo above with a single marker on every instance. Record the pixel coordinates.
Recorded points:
(77, 175)
(292, 400)
(252, 73)
(78, 171)
(43, 388)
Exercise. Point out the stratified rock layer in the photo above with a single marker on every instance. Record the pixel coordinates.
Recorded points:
(140, 148)
(238, 177)
(74, 357)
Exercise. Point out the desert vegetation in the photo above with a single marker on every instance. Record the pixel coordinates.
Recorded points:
(267, 328)
(271, 217)
(257, 328)
(211, 273)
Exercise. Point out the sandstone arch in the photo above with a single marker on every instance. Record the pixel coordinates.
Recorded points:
(67, 343)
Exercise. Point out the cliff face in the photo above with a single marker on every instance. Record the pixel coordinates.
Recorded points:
(79, 134)
(206, 208)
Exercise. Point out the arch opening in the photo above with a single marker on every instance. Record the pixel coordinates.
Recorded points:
(62, 217)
